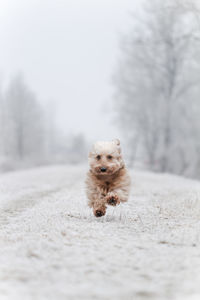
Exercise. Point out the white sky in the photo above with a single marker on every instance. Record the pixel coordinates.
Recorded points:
(66, 50)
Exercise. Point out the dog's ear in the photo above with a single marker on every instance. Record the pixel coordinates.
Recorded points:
(116, 141)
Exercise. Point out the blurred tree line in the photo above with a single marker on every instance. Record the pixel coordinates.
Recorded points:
(157, 87)
(29, 135)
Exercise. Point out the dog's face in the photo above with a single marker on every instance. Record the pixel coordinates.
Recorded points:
(105, 158)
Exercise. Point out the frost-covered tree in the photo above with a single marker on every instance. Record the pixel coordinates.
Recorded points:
(157, 87)
(29, 134)
(77, 148)
(24, 118)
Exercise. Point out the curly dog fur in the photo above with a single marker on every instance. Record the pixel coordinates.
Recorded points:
(108, 181)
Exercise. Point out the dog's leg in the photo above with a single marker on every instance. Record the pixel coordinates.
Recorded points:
(97, 201)
(121, 192)
(116, 196)
(112, 198)
(99, 209)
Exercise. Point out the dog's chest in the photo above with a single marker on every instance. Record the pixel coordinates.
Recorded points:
(107, 186)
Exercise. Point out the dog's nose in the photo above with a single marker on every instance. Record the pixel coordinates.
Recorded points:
(103, 169)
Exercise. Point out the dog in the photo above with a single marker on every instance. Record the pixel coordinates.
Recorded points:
(107, 181)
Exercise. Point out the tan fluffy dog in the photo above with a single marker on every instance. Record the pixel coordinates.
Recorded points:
(107, 182)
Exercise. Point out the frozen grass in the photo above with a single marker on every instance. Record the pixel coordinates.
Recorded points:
(52, 247)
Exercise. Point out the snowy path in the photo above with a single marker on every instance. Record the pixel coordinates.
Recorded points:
(51, 246)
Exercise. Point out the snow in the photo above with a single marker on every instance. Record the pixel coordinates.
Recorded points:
(52, 247)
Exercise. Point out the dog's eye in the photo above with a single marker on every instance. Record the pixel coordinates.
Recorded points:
(98, 157)
(109, 157)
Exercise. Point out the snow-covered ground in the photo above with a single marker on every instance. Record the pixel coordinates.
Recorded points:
(52, 247)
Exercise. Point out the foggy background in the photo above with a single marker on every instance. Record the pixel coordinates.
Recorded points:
(73, 72)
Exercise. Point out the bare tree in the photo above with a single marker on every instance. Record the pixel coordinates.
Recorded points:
(77, 148)
(30, 135)
(157, 84)
(24, 121)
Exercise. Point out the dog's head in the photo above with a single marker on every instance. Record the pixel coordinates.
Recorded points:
(105, 158)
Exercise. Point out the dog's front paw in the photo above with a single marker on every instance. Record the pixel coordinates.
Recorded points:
(112, 199)
(99, 212)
